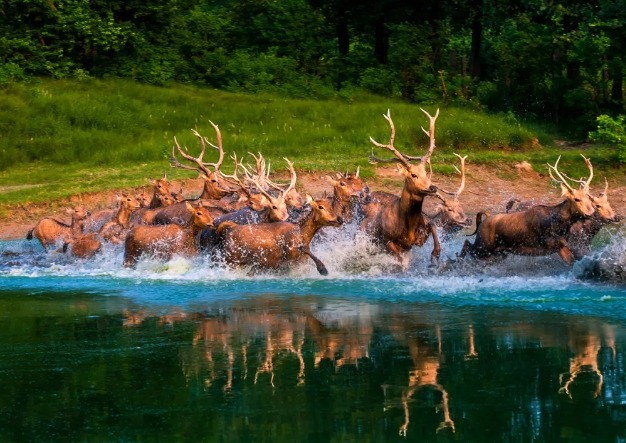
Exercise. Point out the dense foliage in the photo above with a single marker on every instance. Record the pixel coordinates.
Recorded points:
(560, 61)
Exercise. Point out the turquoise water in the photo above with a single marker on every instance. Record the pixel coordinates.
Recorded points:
(521, 350)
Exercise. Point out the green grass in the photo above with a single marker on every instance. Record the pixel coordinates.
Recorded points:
(89, 136)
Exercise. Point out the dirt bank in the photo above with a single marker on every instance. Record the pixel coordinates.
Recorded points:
(486, 189)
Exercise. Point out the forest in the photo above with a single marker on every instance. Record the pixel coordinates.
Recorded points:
(559, 62)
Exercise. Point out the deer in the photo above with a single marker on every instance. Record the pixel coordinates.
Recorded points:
(51, 231)
(213, 188)
(276, 246)
(161, 188)
(540, 230)
(113, 230)
(145, 216)
(178, 196)
(167, 240)
(582, 232)
(348, 190)
(394, 225)
(143, 198)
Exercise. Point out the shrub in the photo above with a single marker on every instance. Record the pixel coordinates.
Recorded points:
(612, 132)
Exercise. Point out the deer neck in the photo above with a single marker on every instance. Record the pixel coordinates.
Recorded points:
(564, 216)
(342, 207)
(123, 216)
(190, 233)
(155, 202)
(77, 227)
(212, 191)
(308, 228)
(409, 210)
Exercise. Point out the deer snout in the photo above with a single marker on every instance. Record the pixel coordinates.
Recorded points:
(468, 222)
(88, 214)
(340, 220)
(366, 190)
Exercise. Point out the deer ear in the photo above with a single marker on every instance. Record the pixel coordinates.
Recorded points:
(329, 178)
(118, 197)
(152, 180)
(565, 190)
(401, 170)
(189, 207)
(69, 211)
(309, 199)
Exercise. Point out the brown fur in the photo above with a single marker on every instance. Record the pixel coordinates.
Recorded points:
(161, 188)
(115, 229)
(275, 245)
(146, 216)
(50, 231)
(540, 230)
(348, 190)
(165, 241)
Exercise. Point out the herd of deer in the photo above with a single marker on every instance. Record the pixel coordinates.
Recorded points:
(248, 220)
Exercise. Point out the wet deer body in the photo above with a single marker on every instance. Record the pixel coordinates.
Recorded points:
(395, 225)
(348, 191)
(168, 240)
(51, 231)
(275, 245)
(540, 230)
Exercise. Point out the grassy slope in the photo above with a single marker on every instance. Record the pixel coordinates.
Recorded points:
(89, 136)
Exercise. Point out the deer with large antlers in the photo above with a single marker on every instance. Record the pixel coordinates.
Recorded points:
(394, 225)
(540, 230)
(168, 240)
(276, 245)
(582, 232)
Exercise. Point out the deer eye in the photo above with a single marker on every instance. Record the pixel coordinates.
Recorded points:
(342, 184)
(274, 207)
(577, 200)
(413, 175)
(321, 208)
(598, 206)
(214, 181)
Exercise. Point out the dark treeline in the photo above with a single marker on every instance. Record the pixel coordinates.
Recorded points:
(562, 61)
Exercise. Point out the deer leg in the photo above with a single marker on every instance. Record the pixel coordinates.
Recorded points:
(562, 248)
(434, 256)
(318, 263)
(396, 252)
(466, 247)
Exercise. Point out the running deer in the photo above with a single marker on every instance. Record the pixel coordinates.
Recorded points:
(540, 230)
(168, 240)
(161, 188)
(394, 225)
(276, 245)
(178, 196)
(582, 232)
(213, 188)
(348, 191)
(113, 230)
(51, 231)
(146, 216)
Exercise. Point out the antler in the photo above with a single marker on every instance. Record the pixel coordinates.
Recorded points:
(430, 133)
(292, 184)
(202, 167)
(234, 179)
(400, 157)
(561, 179)
(590, 166)
(462, 172)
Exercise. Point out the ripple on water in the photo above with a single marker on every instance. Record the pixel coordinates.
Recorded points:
(529, 282)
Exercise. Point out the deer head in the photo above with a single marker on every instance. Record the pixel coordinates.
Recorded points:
(603, 207)
(276, 205)
(347, 186)
(128, 201)
(417, 181)
(322, 213)
(78, 213)
(451, 209)
(143, 198)
(200, 216)
(160, 185)
(579, 199)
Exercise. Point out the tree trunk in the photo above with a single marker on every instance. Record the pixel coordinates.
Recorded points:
(343, 36)
(381, 40)
(453, 62)
(477, 37)
(617, 90)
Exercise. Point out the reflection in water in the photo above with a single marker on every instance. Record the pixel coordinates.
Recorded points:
(306, 368)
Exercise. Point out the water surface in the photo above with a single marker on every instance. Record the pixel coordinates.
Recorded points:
(183, 351)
